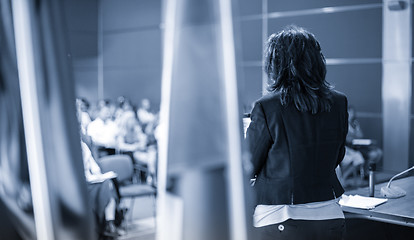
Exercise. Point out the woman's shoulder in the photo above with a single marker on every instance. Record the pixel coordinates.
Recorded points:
(269, 97)
(268, 104)
(337, 94)
(339, 100)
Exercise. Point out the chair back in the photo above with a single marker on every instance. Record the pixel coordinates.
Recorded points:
(121, 164)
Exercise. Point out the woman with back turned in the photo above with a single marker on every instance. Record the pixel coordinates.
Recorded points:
(297, 139)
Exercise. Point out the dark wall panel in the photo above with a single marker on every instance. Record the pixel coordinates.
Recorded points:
(83, 45)
(81, 15)
(86, 83)
(134, 84)
(129, 14)
(252, 43)
(372, 128)
(252, 85)
(141, 49)
(360, 82)
(356, 34)
(292, 5)
(81, 28)
(81, 18)
(86, 64)
(249, 7)
(132, 45)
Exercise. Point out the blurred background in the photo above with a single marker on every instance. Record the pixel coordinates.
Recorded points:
(186, 73)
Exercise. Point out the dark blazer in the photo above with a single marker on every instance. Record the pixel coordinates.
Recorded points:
(294, 154)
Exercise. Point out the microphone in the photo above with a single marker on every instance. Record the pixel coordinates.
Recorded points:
(394, 192)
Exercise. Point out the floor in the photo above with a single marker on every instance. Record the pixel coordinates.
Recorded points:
(141, 224)
(142, 229)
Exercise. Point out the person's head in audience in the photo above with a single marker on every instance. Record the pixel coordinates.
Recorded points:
(102, 103)
(296, 67)
(127, 106)
(104, 113)
(121, 100)
(82, 104)
(145, 104)
(112, 109)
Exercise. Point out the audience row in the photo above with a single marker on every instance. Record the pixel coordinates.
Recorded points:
(121, 128)
(109, 128)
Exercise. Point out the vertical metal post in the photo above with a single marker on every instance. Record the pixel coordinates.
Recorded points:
(169, 208)
(200, 152)
(396, 83)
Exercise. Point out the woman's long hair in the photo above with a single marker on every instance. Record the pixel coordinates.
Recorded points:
(296, 67)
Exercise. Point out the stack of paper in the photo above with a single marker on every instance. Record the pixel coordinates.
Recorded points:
(357, 201)
(361, 142)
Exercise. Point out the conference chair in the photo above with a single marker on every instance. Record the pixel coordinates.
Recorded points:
(122, 165)
(141, 171)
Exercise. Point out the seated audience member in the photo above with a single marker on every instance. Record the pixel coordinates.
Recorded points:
(103, 131)
(133, 141)
(94, 109)
(352, 163)
(122, 103)
(370, 153)
(82, 106)
(112, 109)
(148, 158)
(150, 131)
(145, 116)
(102, 195)
(147, 120)
(131, 138)
(125, 111)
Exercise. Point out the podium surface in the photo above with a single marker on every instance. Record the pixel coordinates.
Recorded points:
(396, 211)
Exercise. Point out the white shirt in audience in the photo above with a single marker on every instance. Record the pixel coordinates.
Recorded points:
(103, 133)
(145, 116)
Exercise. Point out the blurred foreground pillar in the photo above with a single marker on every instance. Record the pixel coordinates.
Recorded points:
(201, 191)
(58, 187)
(396, 83)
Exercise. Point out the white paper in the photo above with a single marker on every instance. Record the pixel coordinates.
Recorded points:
(357, 201)
(361, 141)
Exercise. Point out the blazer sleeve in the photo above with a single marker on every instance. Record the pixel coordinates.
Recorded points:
(258, 138)
(345, 133)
